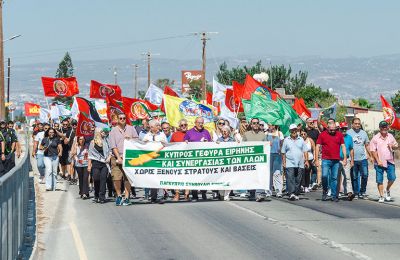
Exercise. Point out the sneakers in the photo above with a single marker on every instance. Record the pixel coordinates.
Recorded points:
(381, 200)
(314, 186)
(292, 197)
(279, 195)
(296, 197)
(118, 201)
(306, 190)
(329, 192)
(260, 198)
(324, 196)
(126, 202)
(361, 196)
(336, 199)
(387, 196)
(350, 196)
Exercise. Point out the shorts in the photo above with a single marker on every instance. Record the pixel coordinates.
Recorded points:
(64, 159)
(117, 173)
(390, 172)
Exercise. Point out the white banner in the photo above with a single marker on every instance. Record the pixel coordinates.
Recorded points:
(198, 166)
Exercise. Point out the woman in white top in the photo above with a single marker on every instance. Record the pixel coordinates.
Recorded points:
(305, 182)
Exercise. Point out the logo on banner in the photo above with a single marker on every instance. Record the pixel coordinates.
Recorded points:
(87, 128)
(388, 115)
(232, 103)
(34, 110)
(190, 108)
(60, 88)
(139, 110)
(262, 92)
(106, 91)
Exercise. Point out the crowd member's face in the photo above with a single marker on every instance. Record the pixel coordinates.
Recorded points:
(166, 129)
(310, 124)
(225, 134)
(155, 128)
(255, 124)
(56, 126)
(145, 124)
(271, 128)
(261, 127)
(104, 134)
(331, 128)
(183, 126)
(3, 125)
(220, 124)
(304, 134)
(293, 133)
(122, 120)
(81, 140)
(199, 123)
(46, 127)
(65, 124)
(10, 126)
(343, 130)
(51, 133)
(244, 123)
(356, 125)
(384, 130)
(74, 126)
(40, 127)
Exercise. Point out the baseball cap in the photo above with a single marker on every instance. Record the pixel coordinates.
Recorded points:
(292, 126)
(343, 125)
(383, 124)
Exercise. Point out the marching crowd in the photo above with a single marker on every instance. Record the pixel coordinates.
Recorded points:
(334, 158)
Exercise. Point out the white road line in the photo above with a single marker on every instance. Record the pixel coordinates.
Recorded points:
(312, 236)
(78, 241)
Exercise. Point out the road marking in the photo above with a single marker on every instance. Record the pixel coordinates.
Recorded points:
(78, 241)
(312, 236)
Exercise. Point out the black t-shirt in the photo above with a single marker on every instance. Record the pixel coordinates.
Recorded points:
(51, 145)
(313, 134)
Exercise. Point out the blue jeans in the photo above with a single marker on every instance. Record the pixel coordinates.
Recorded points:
(330, 169)
(40, 164)
(360, 176)
(51, 163)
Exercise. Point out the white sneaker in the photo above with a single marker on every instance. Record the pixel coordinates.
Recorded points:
(387, 196)
(306, 190)
(292, 197)
(381, 199)
(296, 197)
(329, 192)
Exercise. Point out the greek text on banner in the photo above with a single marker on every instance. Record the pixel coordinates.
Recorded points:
(198, 166)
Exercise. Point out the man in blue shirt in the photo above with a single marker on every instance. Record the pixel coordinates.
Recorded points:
(294, 159)
(344, 171)
(361, 156)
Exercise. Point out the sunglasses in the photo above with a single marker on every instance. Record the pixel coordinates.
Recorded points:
(262, 125)
(221, 123)
(51, 132)
(165, 129)
(254, 123)
(122, 118)
(182, 125)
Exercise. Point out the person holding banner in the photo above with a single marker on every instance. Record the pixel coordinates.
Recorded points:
(155, 135)
(198, 134)
(225, 137)
(176, 137)
(118, 134)
(294, 159)
(254, 134)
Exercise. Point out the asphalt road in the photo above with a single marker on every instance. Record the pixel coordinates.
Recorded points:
(276, 229)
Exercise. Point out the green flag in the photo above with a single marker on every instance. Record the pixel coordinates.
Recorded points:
(266, 109)
(289, 116)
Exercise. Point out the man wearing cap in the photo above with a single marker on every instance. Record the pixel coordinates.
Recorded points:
(361, 156)
(330, 142)
(294, 159)
(344, 170)
(382, 146)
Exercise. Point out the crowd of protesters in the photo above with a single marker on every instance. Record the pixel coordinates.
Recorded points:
(334, 158)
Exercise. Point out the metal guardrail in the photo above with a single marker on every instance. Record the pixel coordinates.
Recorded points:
(14, 199)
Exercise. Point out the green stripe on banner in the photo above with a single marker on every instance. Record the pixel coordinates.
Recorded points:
(201, 162)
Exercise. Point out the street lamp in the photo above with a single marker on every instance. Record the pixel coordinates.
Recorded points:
(12, 38)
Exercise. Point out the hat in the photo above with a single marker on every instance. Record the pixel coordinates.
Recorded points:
(383, 124)
(337, 124)
(343, 125)
(292, 126)
(262, 123)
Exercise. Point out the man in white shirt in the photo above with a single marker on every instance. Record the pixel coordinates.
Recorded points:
(39, 154)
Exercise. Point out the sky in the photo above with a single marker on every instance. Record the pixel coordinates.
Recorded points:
(101, 30)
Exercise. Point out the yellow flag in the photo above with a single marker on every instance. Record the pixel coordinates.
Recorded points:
(178, 108)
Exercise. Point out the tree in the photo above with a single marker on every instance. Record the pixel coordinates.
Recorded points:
(396, 102)
(65, 70)
(311, 94)
(362, 102)
(195, 90)
(161, 83)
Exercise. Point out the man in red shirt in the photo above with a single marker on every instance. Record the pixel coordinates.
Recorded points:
(178, 136)
(330, 142)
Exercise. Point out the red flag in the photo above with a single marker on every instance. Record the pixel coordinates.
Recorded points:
(136, 109)
(389, 114)
(85, 126)
(251, 85)
(65, 87)
(237, 91)
(301, 109)
(167, 91)
(32, 109)
(231, 103)
(114, 108)
(209, 98)
(100, 90)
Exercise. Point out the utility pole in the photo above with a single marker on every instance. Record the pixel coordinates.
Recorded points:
(115, 75)
(204, 39)
(2, 101)
(149, 54)
(8, 79)
(135, 80)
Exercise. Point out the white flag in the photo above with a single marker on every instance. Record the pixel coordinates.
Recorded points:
(154, 94)
(101, 107)
(229, 115)
(219, 91)
(44, 115)
(75, 110)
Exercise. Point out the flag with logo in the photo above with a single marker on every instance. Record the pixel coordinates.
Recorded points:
(181, 108)
(85, 126)
(301, 109)
(60, 87)
(252, 86)
(32, 109)
(231, 103)
(88, 109)
(114, 108)
(219, 91)
(137, 109)
(100, 90)
(389, 114)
